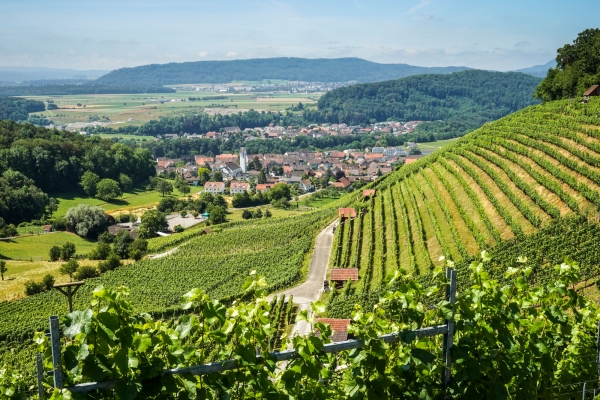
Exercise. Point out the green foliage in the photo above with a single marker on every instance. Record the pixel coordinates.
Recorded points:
(247, 214)
(17, 109)
(3, 268)
(108, 189)
(85, 272)
(578, 68)
(164, 187)
(20, 199)
(125, 182)
(112, 262)
(88, 221)
(88, 183)
(54, 253)
(67, 251)
(122, 243)
(69, 268)
(152, 222)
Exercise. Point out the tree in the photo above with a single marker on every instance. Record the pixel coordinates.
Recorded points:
(280, 191)
(67, 251)
(100, 252)
(88, 221)
(54, 253)
(48, 281)
(262, 177)
(3, 268)
(255, 164)
(258, 213)
(121, 244)
(164, 187)
(152, 222)
(138, 248)
(112, 262)
(268, 214)
(108, 189)
(85, 272)
(69, 268)
(52, 206)
(247, 214)
(88, 182)
(184, 189)
(216, 214)
(218, 176)
(577, 68)
(125, 181)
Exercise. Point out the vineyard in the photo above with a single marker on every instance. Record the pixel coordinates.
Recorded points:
(217, 263)
(526, 185)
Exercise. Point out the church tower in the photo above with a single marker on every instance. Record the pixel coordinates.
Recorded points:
(243, 159)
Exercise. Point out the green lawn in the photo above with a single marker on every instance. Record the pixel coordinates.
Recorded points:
(436, 145)
(277, 212)
(36, 247)
(134, 199)
(319, 202)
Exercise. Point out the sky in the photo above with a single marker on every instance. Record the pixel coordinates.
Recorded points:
(83, 34)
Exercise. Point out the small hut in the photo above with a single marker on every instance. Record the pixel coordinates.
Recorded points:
(339, 276)
(592, 91)
(338, 326)
(346, 213)
(368, 193)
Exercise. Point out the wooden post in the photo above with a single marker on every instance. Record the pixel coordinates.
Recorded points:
(69, 292)
(55, 343)
(40, 375)
(449, 336)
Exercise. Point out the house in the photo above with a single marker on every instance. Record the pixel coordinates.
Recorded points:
(192, 180)
(231, 170)
(231, 129)
(264, 187)
(592, 91)
(48, 229)
(129, 227)
(238, 187)
(341, 275)
(346, 213)
(369, 193)
(214, 187)
(227, 158)
(306, 185)
(201, 160)
(338, 326)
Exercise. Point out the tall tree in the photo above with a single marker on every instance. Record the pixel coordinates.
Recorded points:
(164, 187)
(69, 268)
(262, 177)
(3, 268)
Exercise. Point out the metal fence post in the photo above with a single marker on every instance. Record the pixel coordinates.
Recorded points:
(449, 336)
(40, 375)
(55, 343)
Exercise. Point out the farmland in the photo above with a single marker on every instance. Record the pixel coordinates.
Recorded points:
(118, 110)
(37, 247)
(527, 184)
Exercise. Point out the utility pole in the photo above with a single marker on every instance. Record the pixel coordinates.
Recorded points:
(70, 289)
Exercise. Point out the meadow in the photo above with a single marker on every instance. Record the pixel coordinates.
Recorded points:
(120, 110)
(37, 247)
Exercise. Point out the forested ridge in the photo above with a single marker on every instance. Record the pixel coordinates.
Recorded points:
(462, 100)
(286, 68)
(76, 89)
(35, 161)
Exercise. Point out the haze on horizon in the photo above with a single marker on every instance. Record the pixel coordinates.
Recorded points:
(113, 34)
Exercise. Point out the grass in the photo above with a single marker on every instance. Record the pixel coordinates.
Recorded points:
(277, 212)
(19, 272)
(136, 198)
(137, 109)
(36, 247)
(318, 203)
(436, 145)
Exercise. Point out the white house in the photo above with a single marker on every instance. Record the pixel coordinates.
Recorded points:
(214, 187)
(306, 185)
(395, 152)
(238, 187)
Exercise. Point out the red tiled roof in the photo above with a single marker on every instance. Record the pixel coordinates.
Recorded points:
(410, 160)
(217, 185)
(368, 192)
(343, 274)
(347, 212)
(338, 326)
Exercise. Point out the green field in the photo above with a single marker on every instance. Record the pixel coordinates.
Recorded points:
(38, 246)
(436, 145)
(119, 110)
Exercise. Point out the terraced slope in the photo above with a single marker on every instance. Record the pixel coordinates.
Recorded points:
(496, 187)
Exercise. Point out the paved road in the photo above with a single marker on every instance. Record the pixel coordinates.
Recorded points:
(311, 289)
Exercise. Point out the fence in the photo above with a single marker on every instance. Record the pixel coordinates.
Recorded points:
(446, 329)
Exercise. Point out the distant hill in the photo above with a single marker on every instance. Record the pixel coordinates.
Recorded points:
(20, 74)
(37, 89)
(538, 70)
(297, 69)
(462, 100)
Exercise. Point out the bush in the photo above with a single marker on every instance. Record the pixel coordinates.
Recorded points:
(87, 221)
(106, 237)
(112, 262)
(67, 251)
(54, 253)
(247, 214)
(59, 224)
(178, 229)
(258, 213)
(86, 272)
(48, 282)
(32, 288)
(100, 252)
(268, 214)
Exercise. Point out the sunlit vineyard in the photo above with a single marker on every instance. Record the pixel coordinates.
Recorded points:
(217, 263)
(490, 190)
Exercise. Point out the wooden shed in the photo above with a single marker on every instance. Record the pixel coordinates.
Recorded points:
(341, 275)
(592, 91)
(338, 326)
(368, 193)
(48, 229)
(346, 213)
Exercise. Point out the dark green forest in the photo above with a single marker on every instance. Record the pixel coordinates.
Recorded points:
(577, 68)
(71, 89)
(463, 100)
(286, 68)
(35, 161)
(18, 109)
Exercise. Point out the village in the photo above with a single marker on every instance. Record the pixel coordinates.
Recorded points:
(237, 173)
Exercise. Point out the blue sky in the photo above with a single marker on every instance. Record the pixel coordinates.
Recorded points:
(108, 34)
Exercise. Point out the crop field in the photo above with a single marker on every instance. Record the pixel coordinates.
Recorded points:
(499, 186)
(117, 110)
(37, 247)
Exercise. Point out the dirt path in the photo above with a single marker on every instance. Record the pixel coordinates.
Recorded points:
(166, 253)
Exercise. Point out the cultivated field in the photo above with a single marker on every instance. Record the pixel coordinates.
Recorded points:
(117, 110)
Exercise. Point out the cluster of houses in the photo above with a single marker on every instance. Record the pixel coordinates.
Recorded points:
(292, 167)
(313, 130)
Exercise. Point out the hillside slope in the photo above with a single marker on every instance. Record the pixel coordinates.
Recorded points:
(286, 68)
(528, 184)
(467, 99)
